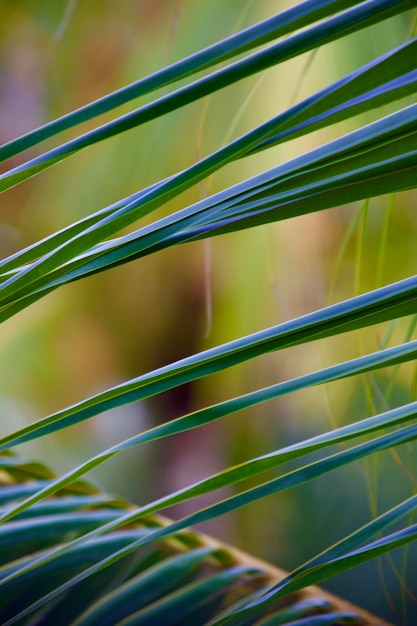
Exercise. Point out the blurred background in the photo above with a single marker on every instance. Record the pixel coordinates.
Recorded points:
(94, 334)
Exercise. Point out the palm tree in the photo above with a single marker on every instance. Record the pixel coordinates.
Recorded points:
(71, 554)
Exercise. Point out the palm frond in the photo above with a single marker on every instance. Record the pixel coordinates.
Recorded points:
(188, 575)
(70, 550)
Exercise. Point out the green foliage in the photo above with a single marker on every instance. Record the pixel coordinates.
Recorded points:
(82, 543)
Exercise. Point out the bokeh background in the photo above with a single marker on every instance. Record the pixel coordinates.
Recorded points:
(57, 56)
